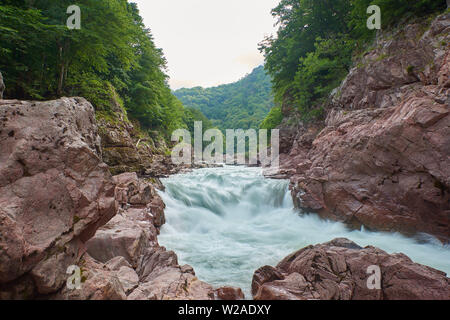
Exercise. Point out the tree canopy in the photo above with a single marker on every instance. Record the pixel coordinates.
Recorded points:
(112, 57)
(240, 105)
(312, 51)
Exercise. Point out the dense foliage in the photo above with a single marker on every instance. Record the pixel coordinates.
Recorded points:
(240, 105)
(273, 119)
(111, 58)
(313, 49)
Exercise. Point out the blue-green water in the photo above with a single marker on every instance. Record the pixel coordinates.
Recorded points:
(227, 222)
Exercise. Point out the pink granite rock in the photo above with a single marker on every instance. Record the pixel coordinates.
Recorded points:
(340, 270)
(55, 192)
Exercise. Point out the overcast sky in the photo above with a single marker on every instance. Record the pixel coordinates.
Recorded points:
(208, 42)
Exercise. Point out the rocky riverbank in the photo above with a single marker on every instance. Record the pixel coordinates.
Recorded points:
(60, 206)
(382, 156)
(380, 159)
(340, 270)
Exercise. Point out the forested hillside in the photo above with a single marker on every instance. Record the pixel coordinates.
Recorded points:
(317, 44)
(239, 105)
(111, 60)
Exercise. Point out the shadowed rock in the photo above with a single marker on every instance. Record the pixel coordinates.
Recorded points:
(338, 270)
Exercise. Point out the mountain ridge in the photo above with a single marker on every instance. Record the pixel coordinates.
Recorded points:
(239, 105)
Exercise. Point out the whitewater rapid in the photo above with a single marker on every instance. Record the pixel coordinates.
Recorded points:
(228, 222)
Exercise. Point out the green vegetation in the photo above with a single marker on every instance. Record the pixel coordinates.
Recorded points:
(240, 105)
(273, 119)
(111, 60)
(316, 41)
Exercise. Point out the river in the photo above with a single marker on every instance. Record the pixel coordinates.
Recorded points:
(228, 222)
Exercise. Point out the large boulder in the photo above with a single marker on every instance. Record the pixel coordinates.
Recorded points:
(342, 270)
(130, 233)
(128, 246)
(99, 282)
(382, 157)
(55, 192)
(163, 279)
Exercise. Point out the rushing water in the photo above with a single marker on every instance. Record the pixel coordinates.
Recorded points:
(227, 222)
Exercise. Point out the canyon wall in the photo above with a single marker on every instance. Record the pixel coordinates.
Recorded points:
(61, 207)
(55, 192)
(382, 156)
(128, 148)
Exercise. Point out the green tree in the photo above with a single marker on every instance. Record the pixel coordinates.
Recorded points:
(240, 105)
(316, 40)
(111, 59)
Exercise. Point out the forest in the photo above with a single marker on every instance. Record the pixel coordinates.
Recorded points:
(317, 43)
(240, 105)
(112, 58)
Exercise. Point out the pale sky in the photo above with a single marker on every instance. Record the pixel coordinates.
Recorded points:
(208, 42)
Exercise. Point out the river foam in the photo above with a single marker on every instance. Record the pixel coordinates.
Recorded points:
(227, 222)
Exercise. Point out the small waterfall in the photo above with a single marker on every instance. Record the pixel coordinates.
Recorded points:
(227, 222)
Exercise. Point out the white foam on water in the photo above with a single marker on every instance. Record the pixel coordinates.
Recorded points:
(228, 222)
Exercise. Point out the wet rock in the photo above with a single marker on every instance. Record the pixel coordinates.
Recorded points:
(339, 270)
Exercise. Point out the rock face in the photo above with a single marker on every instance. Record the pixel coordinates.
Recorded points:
(126, 148)
(55, 192)
(60, 207)
(339, 270)
(128, 247)
(2, 86)
(382, 157)
(124, 260)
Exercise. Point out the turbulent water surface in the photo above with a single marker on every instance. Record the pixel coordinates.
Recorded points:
(227, 222)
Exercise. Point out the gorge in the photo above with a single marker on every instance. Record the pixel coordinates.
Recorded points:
(227, 222)
(362, 191)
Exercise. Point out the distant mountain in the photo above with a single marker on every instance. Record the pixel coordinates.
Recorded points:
(240, 105)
